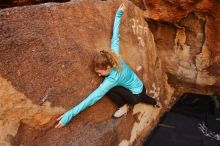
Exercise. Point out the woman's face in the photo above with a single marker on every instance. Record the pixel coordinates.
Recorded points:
(103, 72)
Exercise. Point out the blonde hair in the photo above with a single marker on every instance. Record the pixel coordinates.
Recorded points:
(107, 58)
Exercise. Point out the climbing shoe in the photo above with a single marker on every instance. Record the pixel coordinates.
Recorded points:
(121, 111)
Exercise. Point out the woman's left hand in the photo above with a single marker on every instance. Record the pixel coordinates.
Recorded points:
(59, 125)
(122, 7)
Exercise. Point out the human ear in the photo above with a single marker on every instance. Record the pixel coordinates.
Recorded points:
(108, 67)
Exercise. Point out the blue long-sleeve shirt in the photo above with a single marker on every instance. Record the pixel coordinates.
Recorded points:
(125, 77)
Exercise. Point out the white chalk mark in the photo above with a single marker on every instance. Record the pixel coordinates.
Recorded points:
(137, 27)
(141, 29)
(141, 41)
(138, 68)
(43, 99)
(145, 30)
(133, 25)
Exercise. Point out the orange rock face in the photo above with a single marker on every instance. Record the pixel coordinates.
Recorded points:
(46, 54)
(186, 33)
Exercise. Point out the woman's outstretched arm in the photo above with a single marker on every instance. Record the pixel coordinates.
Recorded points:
(115, 42)
(106, 85)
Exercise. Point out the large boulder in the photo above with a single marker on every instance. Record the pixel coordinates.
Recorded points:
(46, 54)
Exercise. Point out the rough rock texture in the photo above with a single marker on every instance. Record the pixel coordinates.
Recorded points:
(173, 10)
(46, 53)
(186, 36)
(14, 3)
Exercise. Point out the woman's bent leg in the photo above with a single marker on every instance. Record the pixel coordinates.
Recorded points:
(147, 99)
(121, 95)
(115, 97)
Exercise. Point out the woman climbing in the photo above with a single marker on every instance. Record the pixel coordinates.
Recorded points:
(121, 84)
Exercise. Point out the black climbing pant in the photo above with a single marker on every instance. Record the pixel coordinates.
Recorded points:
(121, 96)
